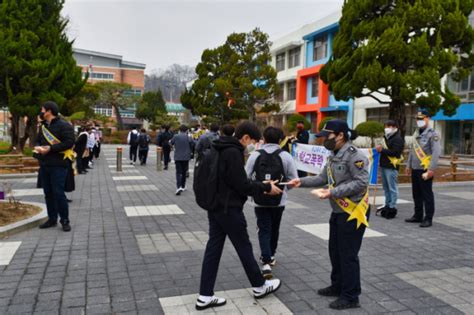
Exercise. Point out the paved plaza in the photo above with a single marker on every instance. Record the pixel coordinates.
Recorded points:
(135, 247)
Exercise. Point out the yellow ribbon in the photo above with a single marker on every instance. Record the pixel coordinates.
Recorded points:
(393, 159)
(284, 142)
(68, 154)
(425, 160)
(356, 211)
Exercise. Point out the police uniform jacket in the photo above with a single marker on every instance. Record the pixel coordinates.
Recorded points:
(350, 172)
(429, 142)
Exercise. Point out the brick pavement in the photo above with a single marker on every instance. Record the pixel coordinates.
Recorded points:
(101, 267)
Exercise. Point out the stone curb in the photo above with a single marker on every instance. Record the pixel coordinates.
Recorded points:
(20, 175)
(25, 224)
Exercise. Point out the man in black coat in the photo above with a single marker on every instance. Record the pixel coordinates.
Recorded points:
(53, 150)
(229, 220)
(80, 148)
(390, 158)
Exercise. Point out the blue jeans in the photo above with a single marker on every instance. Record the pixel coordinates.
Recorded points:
(390, 186)
(268, 222)
(54, 180)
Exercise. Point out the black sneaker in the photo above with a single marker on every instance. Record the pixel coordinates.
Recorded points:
(329, 291)
(215, 302)
(48, 224)
(341, 304)
(413, 220)
(66, 227)
(426, 223)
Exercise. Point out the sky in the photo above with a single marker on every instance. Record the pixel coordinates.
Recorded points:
(160, 33)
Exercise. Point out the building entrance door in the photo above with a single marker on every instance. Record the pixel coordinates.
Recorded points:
(466, 137)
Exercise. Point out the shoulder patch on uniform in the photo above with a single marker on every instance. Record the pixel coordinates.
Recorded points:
(352, 150)
(359, 164)
(436, 137)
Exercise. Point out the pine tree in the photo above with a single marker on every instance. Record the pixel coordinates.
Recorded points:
(37, 61)
(235, 80)
(401, 49)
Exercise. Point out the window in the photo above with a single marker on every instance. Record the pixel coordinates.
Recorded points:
(464, 89)
(380, 114)
(294, 57)
(99, 75)
(315, 86)
(280, 62)
(281, 92)
(105, 111)
(292, 90)
(320, 48)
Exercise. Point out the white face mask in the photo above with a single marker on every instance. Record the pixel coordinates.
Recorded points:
(388, 131)
(250, 148)
(420, 123)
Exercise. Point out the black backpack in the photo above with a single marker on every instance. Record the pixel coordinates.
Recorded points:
(133, 138)
(143, 141)
(206, 144)
(268, 167)
(205, 182)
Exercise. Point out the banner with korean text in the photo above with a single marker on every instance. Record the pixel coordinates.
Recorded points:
(313, 158)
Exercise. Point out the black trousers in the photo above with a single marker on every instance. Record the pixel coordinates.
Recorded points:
(181, 169)
(142, 155)
(233, 224)
(268, 222)
(345, 240)
(422, 195)
(166, 155)
(133, 152)
(96, 150)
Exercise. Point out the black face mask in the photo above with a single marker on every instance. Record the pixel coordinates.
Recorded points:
(330, 144)
(41, 115)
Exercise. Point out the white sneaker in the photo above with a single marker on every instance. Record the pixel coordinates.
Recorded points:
(178, 191)
(183, 188)
(267, 272)
(204, 302)
(269, 287)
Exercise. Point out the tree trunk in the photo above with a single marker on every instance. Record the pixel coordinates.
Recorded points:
(397, 111)
(252, 113)
(15, 130)
(119, 117)
(31, 131)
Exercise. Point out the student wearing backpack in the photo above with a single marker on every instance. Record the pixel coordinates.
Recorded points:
(206, 139)
(270, 162)
(183, 147)
(229, 186)
(143, 146)
(132, 140)
(163, 141)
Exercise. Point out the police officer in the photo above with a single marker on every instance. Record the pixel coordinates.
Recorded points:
(347, 177)
(421, 163)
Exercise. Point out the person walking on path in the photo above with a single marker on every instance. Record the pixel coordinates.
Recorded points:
(90, 147)
(132, 140)
(228, 218)
(422, 162)
(347, 176)
(206, 140)
(183, 146)
(270, 162)
(390, 159)
(80, 147)
(54, 151)
(143, 146)
(302, 136)
(163, 141)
